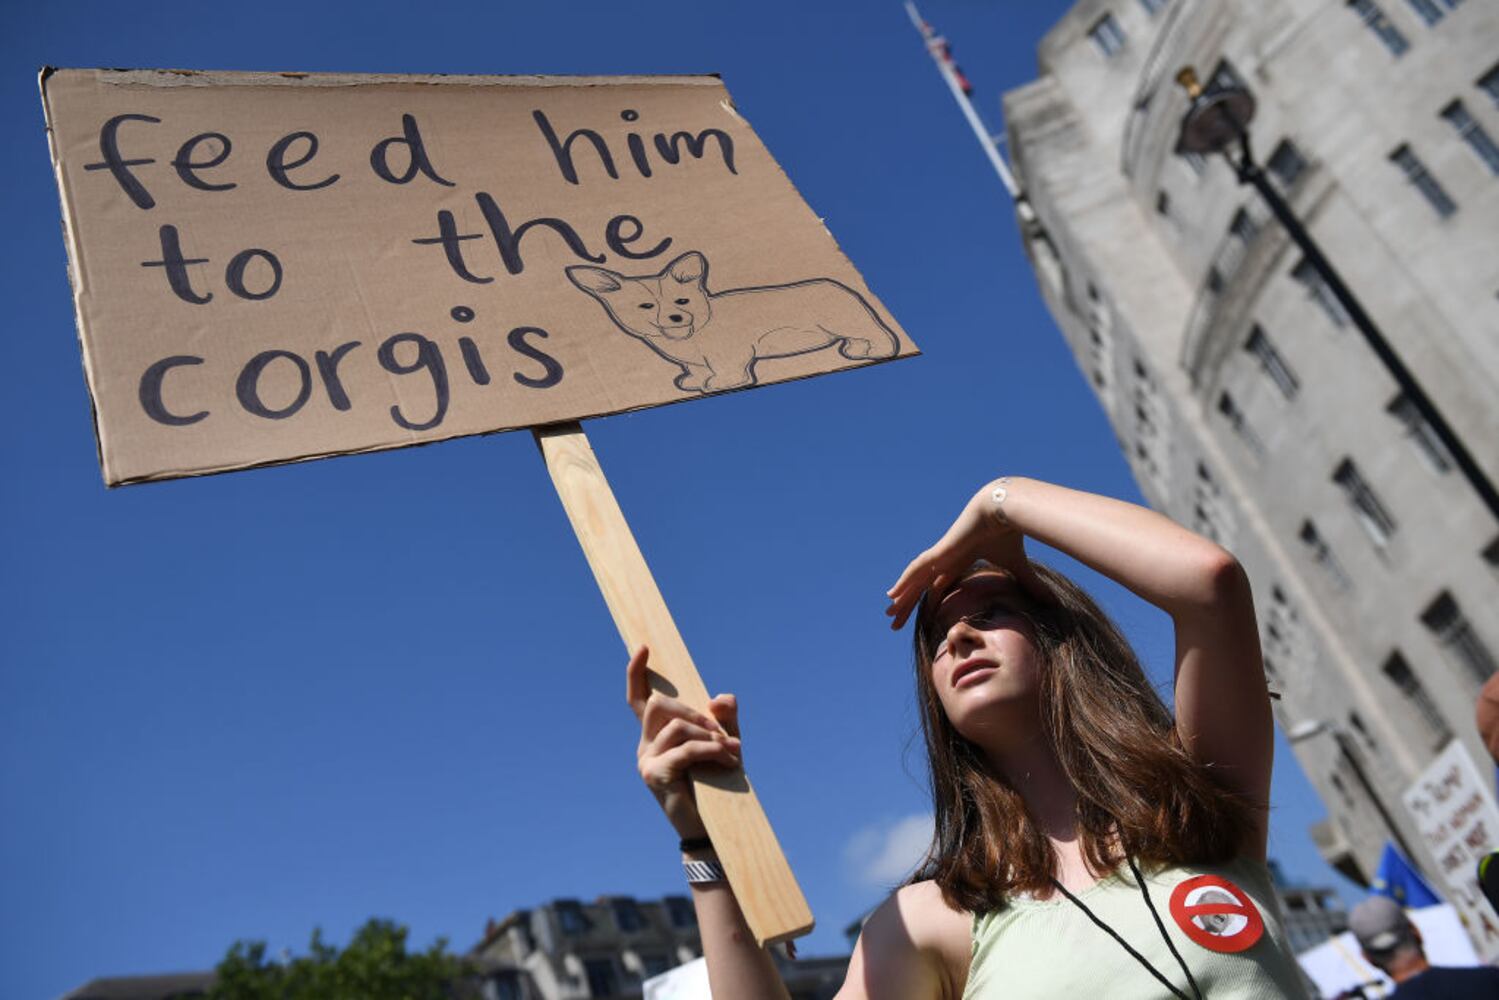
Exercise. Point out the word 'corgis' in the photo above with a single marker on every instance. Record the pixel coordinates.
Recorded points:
(716, 337)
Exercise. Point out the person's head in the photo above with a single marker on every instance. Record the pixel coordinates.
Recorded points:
(996, 665)
(1389, 940)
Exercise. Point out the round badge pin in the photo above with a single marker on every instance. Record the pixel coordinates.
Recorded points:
(1216, 914)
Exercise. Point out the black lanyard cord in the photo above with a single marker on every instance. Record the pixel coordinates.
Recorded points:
(1140, 881)
(1125, 944)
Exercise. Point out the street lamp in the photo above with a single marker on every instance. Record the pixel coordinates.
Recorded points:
(1308, 728)
(1216, 120)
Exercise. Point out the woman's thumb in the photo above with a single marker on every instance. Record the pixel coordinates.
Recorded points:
(725, 708)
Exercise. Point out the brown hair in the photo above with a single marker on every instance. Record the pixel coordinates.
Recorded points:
(1139, 793)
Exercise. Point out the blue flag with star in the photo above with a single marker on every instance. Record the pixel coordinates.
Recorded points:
(1398, 880)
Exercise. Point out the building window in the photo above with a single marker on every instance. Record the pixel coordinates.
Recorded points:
(1405, 680)
(602, 980)
(1283, 638)
(1323, 556)
(1152, 430)
(1473, 134)
(1491, 554)
(1163, 203)
(1356, 721)
(1489, 84)
(1100, 340)
(1321, 292)
(1427, 10)
(1337, 782)
(507, 986)
(1454, 632)
(1243, 227)
(1371, 514)
(1209, 510)
(1240, 424)
(1432, 11)
(570, 916)
(1107, 35)
(1368, 11)
(627, 915)
(1153, 7)
(654, 963)
(1272, 363)
(1421, 179)
(679, 911)
(1214, 281)
(1286, 164)
(1403, 409)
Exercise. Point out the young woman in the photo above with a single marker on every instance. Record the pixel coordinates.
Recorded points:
(1087, 843)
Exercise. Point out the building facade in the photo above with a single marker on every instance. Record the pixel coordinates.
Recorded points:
(1313, 913)
(1249, 406)
(607, 949)
(566, 948)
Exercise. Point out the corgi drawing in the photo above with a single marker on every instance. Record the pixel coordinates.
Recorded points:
(716, 337)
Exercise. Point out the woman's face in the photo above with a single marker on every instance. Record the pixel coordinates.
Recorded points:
(985, 665)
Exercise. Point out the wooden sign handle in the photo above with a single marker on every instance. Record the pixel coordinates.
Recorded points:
(773, 905)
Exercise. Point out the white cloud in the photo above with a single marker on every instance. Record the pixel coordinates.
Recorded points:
(884, 853)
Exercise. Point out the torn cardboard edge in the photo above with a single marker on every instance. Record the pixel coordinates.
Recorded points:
(262, 78)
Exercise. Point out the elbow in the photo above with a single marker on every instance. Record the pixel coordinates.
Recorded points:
(1216, 579)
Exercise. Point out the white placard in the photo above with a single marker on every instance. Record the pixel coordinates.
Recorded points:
(1453, 806)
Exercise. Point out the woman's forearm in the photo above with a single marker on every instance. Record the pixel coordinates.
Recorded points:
(1138, 548)
(738, 968)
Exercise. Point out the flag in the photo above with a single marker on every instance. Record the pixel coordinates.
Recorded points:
(1399, 881)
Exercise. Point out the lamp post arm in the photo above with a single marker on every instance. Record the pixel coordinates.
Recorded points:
(1250, 172)
(1348, 754)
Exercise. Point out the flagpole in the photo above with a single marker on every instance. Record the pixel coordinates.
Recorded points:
(962, 92)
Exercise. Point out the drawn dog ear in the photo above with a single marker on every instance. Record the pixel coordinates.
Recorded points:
(689, 269)
(595, 281)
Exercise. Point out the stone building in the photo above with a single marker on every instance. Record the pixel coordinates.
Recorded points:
(1313, 913)
(605, 950)
(1249, 406)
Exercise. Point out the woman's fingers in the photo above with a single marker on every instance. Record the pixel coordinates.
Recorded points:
(915, 575)
(661, 709)
(677, 732)
(661, 771)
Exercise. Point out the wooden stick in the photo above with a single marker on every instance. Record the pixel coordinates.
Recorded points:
(773, 905)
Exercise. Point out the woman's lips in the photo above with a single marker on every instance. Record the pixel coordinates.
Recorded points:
(974, 670)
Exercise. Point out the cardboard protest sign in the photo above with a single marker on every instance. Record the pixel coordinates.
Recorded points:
(275, 267)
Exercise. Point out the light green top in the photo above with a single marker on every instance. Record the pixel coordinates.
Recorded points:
(1050, 949)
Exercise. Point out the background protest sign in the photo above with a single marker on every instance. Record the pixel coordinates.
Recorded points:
(274, 267)
(1454, 810)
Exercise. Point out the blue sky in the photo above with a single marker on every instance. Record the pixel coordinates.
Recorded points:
(248, 705)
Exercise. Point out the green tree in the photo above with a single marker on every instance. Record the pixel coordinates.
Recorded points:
(374, 966)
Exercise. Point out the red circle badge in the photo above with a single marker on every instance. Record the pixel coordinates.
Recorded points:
(1216, 914)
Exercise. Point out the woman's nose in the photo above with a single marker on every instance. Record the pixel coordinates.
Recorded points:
(962, 632)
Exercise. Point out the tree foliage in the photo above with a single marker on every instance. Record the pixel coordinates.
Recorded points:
(374, 966)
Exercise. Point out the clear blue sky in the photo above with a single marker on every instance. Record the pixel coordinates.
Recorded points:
(248, 705)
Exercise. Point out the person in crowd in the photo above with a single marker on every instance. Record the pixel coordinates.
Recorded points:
(1088, 841)
(1392, 944)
